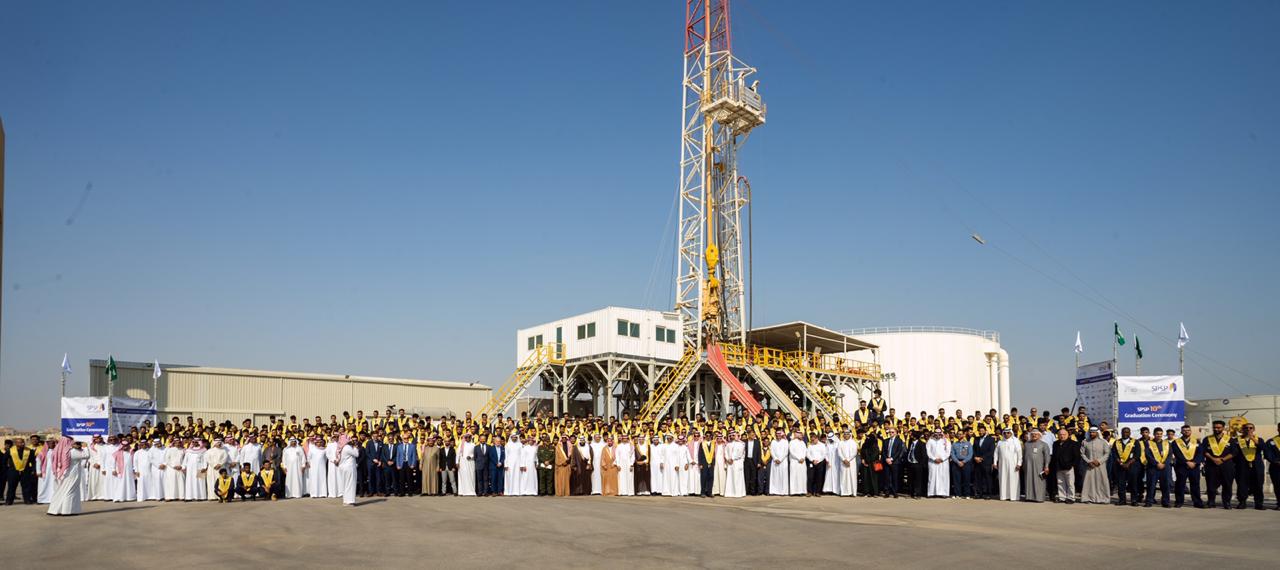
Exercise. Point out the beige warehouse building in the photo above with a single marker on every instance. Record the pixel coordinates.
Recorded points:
(221, 394)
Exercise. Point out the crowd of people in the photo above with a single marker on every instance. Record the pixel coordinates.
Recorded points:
(1035, 457)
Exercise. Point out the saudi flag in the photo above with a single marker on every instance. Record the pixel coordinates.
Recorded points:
(1137, 345)
(111, 369)
(1119, 335)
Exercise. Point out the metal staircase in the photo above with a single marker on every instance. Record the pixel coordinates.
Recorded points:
(670, 384)
(813, 390)
(775, 392)
(538, 361)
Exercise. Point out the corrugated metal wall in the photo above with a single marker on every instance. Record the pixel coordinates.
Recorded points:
(221, 396)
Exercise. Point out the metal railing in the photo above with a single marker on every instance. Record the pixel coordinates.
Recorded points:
(542, 355)
(670, 384)
(993, 336)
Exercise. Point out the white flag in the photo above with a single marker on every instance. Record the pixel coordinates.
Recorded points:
(66, 364)
(155, 371)
(1079, 347)
(1183, 337)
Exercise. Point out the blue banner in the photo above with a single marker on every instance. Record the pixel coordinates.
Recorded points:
(84, 427)
(1162, 412)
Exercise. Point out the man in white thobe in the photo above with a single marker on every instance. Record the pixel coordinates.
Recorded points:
(798, 474)
(293, 460)
(93, 470)
(597, 444)
(318, 470)
(107, 453)
(528, 465)
(251, 453)
(233, 456)
(691, 477)
(624, 456)
(174, 482)
(333, 454)
(156, 459)
(847, 460)
(939, 451)
(832, 483)
(719, 467)
(125, 488)
(214, 459)
(658, 477)
(148, 487)
(467, 467)
(192, 459)
(347, 472)
(735, 483)
(1008, 465)
(778, 461)
(512, 477)
(674, 461)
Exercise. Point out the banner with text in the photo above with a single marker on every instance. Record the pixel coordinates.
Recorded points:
(1096, 390)
(129, 413)
(83, 418)
(1151, 401)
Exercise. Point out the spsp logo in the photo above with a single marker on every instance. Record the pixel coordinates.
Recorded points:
(1165, 388)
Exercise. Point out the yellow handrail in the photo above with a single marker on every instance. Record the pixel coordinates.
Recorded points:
(544, 354)
(669, 385)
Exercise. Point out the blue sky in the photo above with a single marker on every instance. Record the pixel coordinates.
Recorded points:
(393, 190)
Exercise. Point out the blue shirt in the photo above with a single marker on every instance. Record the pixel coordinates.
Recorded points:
(962, 451)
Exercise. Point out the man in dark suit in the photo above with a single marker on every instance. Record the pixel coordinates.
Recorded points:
(918, 463)
(895, 451)
(984, 455)
(405, 459)
(497, 466)
(482, 466)
(706, 460)
(375, 449)
(751, 463)
(448, 469)
(362, 465)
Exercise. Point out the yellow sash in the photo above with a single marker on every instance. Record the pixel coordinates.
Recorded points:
(1188, 450)
(1125, 450)
(1220, 446)
(862, 415)
(224, 485)
(267, 476)
(246, 479)
(1249, 447)
(1160, 452)
(20, 462)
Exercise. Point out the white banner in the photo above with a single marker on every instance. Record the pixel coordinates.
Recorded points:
(1151, 401)
(1096, 390)
(83, 418)
(129, 413)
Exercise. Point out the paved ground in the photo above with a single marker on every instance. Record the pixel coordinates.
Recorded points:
(643, 532)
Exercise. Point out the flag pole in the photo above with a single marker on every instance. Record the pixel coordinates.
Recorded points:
(64, 384)
(1180, 370)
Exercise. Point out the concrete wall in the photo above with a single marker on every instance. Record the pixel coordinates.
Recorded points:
(234, 394)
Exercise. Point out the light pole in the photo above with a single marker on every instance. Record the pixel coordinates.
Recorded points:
(945, 402)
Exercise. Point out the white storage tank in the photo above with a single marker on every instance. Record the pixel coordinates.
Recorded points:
(928, 367)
